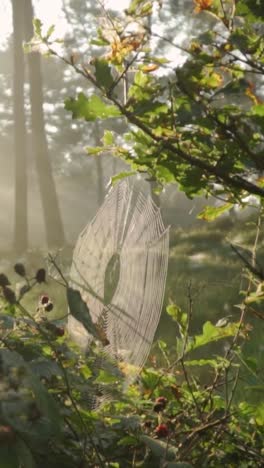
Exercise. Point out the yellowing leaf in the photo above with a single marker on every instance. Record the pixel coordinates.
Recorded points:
(202, 5)
(121, 47)
(249, 92)
(210, 213)
(150, 68)
(260, 181)
(211, 79)
(121, 175)
(128, 369)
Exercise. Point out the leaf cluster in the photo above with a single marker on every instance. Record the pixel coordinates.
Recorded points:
(49, 389)
(199, 125)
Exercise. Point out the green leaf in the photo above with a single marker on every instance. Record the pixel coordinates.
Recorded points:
(134, 4)
(212, 333)
(177, 314)
(90, 108)
(45, 368)
(50, 31)
(99, 42)
(86, 372)
(128, 441)
(80, 311)
(142, 88)
(179, 465)
(258, 110)
(210, 213)
(214, 363)
(8, 458)
(108, 138)
(122, 175)
(259, 414)
(6, 322)
(164, 175)
(105, 377)
(103, 73)
(252, 10)
(150, 378)
(257, 411)
(46, 404)
(37, 24)
(24, 455)
(15, 411)
(159, 448)
(93, 150)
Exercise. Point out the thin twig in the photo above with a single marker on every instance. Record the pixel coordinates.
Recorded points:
(66, 380)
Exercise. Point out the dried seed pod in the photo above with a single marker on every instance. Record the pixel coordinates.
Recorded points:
(20, 269)
(4, 281)
(9, 295)
(41, 275)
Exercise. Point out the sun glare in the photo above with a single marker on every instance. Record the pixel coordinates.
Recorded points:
(5, 21)
(49, 12)
(117, 4)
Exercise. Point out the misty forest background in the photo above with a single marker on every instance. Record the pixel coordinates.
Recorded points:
(50, 189)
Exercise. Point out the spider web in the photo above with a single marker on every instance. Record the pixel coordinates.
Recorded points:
(127, 229)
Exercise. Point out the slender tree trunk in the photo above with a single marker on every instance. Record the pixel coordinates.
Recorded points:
(50, 205)
(20, 150)
(99, 168)
(153, 183)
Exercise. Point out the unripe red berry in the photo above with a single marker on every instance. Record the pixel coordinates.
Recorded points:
(147, 424)
(48, 307)
(158, 407)
(162, 430)
(162, 400)
(7, 435)
(60, 331)
(160, 404)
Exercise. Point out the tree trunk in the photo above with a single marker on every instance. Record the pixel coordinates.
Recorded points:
(99, 168)
(49, 200)
(153, 183)
(20, 150)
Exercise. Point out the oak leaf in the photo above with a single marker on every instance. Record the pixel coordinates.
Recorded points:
(202, 5)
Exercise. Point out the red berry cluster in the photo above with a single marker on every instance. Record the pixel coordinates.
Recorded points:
(162, 429)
